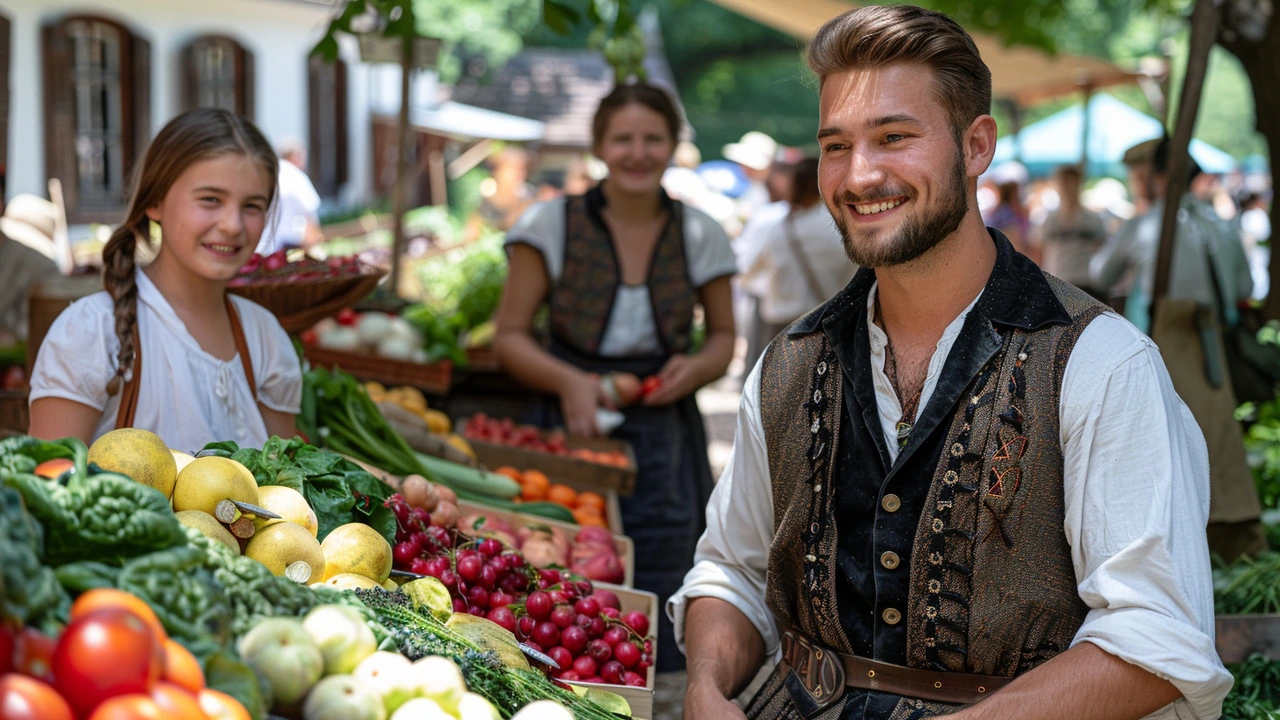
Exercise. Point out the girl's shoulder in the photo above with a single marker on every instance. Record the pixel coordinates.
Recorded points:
(95, 308)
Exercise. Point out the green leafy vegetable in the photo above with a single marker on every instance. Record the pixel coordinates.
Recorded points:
(29, 592)
(338, 490)
(1256, 694)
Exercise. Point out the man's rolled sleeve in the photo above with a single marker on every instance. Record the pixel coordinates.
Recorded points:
(1136, 486)
(733, 554)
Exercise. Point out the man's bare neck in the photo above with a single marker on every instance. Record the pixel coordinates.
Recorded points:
(918, 300)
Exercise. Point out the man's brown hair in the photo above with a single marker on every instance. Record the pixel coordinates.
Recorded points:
(876, 35)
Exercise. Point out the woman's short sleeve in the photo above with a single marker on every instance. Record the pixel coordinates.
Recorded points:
(542, 228)
(276, 368)
(706, 248)
(78, 355)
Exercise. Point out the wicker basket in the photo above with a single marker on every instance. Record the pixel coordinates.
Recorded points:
(299, 305)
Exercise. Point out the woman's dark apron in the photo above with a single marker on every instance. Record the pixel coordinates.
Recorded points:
(666, 514)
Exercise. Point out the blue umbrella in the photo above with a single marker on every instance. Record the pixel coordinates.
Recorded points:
(727, 178)
(1113, 128)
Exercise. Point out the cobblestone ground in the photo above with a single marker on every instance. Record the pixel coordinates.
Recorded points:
(719, 405)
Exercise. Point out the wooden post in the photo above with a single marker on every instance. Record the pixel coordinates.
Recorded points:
(1084, 133)
(1204, 28)
(401, 189)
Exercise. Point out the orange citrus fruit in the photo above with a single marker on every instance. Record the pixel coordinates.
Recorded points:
(563, 495)
(534, 486)
(589, 516)
(510, 472)
(181, 667)
(592, 500)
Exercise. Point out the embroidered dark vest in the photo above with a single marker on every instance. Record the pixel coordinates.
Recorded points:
(958, 561)
(582, 300)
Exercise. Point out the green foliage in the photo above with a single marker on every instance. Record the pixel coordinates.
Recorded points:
(464, 192)
(491, 29)
(1248, 585)
(1256, 694)
(465, 282)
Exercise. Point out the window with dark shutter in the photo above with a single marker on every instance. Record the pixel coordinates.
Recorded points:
(97, 102)
(218, 72)
(327, 148)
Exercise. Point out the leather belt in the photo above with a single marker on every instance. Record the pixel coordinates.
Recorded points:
(825, 673)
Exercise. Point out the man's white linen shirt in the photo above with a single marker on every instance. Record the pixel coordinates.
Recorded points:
(1136, 487)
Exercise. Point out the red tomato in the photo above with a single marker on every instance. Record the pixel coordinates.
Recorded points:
(347, 316)
(309, 337)
(103, 654)
(8, 643)
(33, 654)
(26, 698)
(651, 385)
(130, 707)
(177, 703)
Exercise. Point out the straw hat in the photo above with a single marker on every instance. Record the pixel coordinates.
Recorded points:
(33, 222)
(755, 150)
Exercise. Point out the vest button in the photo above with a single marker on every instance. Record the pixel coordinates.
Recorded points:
(891, 616)
(890, 503)
(890, 560)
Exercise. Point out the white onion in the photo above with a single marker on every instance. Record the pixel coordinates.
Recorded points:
(373, 327)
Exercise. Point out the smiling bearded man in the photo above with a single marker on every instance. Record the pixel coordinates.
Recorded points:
(961, 486)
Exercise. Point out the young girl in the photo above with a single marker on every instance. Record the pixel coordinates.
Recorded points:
(165, 348)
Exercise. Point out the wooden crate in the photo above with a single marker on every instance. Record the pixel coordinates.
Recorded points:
(626, 548)
(14, 415)
(1239, 636)
(640, 698)
(433, 378)
(576, 473)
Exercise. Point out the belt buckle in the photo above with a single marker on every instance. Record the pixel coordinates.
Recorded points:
(817, 668)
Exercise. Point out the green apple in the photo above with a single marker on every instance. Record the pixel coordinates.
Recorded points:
(282, 651)
(391, 676)
(342, 635)
(343, 697)
(440, 680)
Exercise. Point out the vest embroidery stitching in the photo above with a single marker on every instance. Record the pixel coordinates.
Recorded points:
(816, 572)
(1006, 462)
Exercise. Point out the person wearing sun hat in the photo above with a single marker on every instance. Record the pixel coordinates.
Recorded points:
(755, 153)
(28, 255)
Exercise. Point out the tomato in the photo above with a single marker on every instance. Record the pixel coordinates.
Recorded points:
(651, 385)
(181, 667)
(26, 698)
(100, 598)
(347, 316)
(105, 653)
(129, 707)
(221, 706)
(53, 469)
(33, 654)
(309, 337)
(8, 644)
(177, 703)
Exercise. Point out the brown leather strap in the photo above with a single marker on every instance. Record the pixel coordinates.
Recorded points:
(242, 348)
(129, 395)
(812, 665)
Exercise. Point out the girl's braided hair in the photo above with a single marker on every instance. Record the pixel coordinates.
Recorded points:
(192, 137)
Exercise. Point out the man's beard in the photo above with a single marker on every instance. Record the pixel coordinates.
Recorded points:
(920, 231)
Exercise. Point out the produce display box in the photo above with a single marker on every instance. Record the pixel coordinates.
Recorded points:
(640, 698)
(433, 378)
(626, 548)
(578, 474)
(1239, 636)
(14, 415)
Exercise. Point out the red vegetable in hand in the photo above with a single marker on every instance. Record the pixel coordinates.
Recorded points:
(650, 386)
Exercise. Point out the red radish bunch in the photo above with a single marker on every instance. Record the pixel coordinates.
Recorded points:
(505, 432)
(578, 626)
(275, 268)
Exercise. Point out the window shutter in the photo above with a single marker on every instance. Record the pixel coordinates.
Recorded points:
(140, 104)
(340, 122)
(190, 86)
(246, 83)
(59, 114)
(5, 50)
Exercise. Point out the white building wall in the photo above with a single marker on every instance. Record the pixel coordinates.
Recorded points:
(279, 33)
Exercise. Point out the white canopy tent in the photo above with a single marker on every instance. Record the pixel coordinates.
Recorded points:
(1020, 74)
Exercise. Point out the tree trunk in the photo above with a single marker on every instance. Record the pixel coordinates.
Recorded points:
(1257, 46)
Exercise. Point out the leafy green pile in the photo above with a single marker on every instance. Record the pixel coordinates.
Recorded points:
(1248, 585)
(29, 591)
(461, 289)
(1256, 694)
(88, 514)
(338, 490)
(1262, 446)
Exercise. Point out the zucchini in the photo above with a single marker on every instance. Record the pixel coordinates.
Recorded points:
(469, 481)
